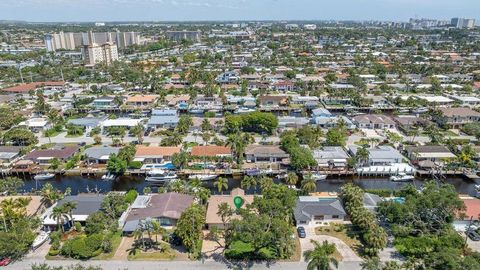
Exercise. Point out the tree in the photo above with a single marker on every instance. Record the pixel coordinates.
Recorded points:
(114, 205)
(180, 160)
(9, 117)
(54, 163)
(20, 136)
(371, 264)
(10, 185)
(336, 137)
(308, 183)
(248, 182)
(50, 194)
(116, 165)
(291, 179)
(362, 155)
(221, 184)
(321, 257)
(68, 208)
(189, 228)
(59, 214)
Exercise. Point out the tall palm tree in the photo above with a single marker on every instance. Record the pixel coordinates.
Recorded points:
(248, 182)
(308, 183)
(69, 207)
(157, 229)
(321, 257)
(59, 214)
(221, 184)
(50, 194)
(265, 183)
(292, 178)
(362, 155)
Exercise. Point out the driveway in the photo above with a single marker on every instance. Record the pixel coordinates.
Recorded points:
(347, 253)
(40, 252)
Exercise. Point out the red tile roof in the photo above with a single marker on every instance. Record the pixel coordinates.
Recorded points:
(210, 151)
(31, 86)
(472, 208)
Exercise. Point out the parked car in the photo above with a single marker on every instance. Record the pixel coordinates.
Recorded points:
(473, 235)
(5, 261)
(301, 232)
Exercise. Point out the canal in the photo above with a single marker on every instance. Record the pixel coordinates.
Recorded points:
(79, 184)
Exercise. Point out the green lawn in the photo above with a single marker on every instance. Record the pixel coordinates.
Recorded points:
(73, 135)
(152, 256)
(344, 233)
(116, 240)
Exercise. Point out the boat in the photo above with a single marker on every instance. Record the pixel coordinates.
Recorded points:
(203, 177)
(109, 176)
(402, 177)
(43, 176)
(160, 176)
(252, 172)
(282, 176)
(318, 176)
(40, 239)
(267, 171)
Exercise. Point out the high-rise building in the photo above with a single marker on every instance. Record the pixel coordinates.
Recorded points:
(183, 35)
(72, 41)
(463, 23)
(94, 53)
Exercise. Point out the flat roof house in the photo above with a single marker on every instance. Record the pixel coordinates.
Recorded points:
(166, 208)
(265, 153)
(433, 153)
(141, 101)
(35, 124)
(87, 123)
(99, 154)
(9, 153)
(331, 157)
(214, 202)
(211, 151)
(312, 211)
(381, 155)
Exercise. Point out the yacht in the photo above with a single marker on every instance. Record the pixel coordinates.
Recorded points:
(402, 177)
(160, 176)
(318, 176)
(43, 176)
(203, 177)
(109, 176)
(40, 239)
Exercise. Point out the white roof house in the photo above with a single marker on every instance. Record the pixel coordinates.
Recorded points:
(121, 122)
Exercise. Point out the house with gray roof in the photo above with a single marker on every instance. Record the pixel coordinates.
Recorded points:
(87, 123)
(380, 155)
(265, 153)
(99, 154)
(331, 157)
(313, 211)
(9, 153)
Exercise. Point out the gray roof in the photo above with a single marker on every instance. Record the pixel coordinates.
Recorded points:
(382, 152)
(266, 150)
(86, 203)
(97, 152)
(86, 122)
(308, 206)
(370, 200)
(330, 153)
(169, 205)
(163, 119)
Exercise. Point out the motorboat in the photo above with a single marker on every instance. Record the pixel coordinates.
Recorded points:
(43, 176)
(318, 176)
(252, 172)
(282, 176)
(109, 176)
(40, 239)
(402, 177)
(267, 171)
(203, 177)
(160, 176)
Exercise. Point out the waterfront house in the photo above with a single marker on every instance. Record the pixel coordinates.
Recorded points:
(333, 157)
(141, 101)
(163, 118)
(211, 151)
(380, 155)
(212, 217)
(155, 154)
(374, 121)
(177, 100)
(312, 211)
(166, 208)
(86, 204)
(120, 122)
(99, 154)
(434, 154)
(273, 101)
(105, 103)
(44, 156)
(265, 153)
(9, 153)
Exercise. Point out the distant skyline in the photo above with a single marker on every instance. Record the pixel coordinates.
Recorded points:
(214, 10)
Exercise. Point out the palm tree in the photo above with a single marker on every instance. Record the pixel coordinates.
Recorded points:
(157, 229)
(50, 194)
(69, 207)
(59, 214)
(138, 235)
(321, 257)
(308, 183)
(221, 184)
(362, 155)
(265, 183)
(371, 264)
(248, 182)
(292, 178)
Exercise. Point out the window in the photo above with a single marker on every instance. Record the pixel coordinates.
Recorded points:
(321, 217)
(335, 217)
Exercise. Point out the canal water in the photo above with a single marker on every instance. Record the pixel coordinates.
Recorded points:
(80, 184)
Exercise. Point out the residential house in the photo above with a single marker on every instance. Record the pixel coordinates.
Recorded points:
(380, 155)
(120, 122)
(86, 204)
(155, 154)
(265, 153)
(308, 102)
(467, 101)
(34, 206)
(87, 123)
(35, 124)
(177, 100)
(211, 151)
(371, 201)
(312, 211)
(273, 101)
(228, 77)
(426, 156)
(141, 101)
(166, 208)
(331, 157)
(457, 117)
(374, 121)
(99, 154)
(410, 122)
(105, 103)
(212, 218)
(44, 156)
(327, 122)
(9, 154)
(283, 86)
(292, 122)
(166, 118)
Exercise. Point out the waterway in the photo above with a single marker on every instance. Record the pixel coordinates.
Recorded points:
(79, 184)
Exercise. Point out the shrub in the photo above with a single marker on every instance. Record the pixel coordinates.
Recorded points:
(78, 226)
(131, 196)
(135, 165)
(94, 241)
(53, 252)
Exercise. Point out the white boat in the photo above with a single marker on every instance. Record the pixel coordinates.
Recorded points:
(160, 176)
(109, 176)
(203, 177)
(40, 239)
(318, 176)
(43, 176)
(402, 177)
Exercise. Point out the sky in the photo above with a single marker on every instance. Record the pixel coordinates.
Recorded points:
(201, 10)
